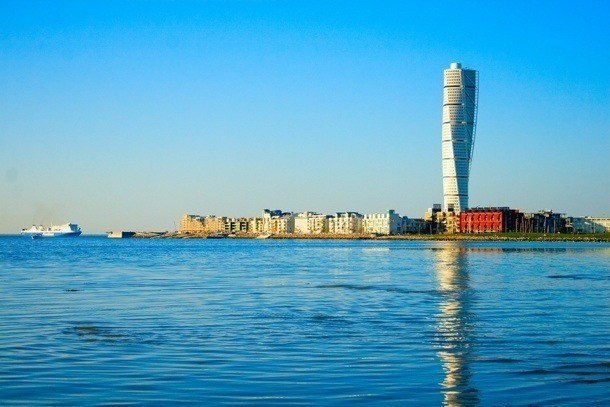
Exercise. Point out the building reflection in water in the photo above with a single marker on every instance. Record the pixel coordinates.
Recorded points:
(455, 325)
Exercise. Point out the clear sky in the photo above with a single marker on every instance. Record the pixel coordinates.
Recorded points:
(127, 115)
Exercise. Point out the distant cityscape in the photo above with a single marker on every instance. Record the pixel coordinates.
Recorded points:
(473, 220)
(459, 119)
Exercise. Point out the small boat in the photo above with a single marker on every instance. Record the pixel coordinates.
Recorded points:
(67, 230)
(263, 236)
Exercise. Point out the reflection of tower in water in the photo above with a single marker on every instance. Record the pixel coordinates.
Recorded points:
(455, 328)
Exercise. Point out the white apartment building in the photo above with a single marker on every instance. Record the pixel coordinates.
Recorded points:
(590, 224)
(388, 223)
(603, 222)
(345, 223)
(310, 223)
(460, 98)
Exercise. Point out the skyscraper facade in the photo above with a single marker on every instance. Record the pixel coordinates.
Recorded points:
(460, 97)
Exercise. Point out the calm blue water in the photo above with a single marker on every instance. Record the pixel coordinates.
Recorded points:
(94, 320)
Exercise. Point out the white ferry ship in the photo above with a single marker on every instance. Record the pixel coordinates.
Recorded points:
(67, 230)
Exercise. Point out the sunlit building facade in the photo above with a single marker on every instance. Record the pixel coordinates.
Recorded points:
(345, 223)
(460, 96)
(388, 223)
(191, 224)
(310, 223)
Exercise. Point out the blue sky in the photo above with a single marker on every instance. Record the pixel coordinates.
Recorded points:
(126, 115)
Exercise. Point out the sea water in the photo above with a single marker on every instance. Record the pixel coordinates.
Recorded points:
(91, 320)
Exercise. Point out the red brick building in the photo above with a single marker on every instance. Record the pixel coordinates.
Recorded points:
(490, 220)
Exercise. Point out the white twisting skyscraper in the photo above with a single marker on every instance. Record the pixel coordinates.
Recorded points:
(460, 96)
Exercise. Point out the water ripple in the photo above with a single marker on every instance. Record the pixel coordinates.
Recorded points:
(97, 321)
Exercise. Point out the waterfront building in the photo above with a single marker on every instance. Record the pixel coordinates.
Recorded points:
(266, 216)
(214, 224)
(438, 221)
(431, 219)
(194, 224)
(543, 222)
(588, 224)
(235, 225)
(191, 224)
(490, 220)
(413, 225)
(345, 223)
(255, 225)
(388, 223)
(460, 98)
(281, 224)
(310, 223)
(604, 222)
(600, 221)
(449, 222)
(301, 222)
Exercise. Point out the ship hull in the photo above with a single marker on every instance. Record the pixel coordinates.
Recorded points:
(55, 234)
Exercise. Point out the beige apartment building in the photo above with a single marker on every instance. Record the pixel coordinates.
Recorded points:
(255, 225)
(448, 222)
(313, 223)
(191, 224)
(214, 224)
(267, 215)
(310, 223)
(345, 223)
(195, 224)
(276, 221)
(282, 224)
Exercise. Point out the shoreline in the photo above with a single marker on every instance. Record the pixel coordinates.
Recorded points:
(503, 237)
